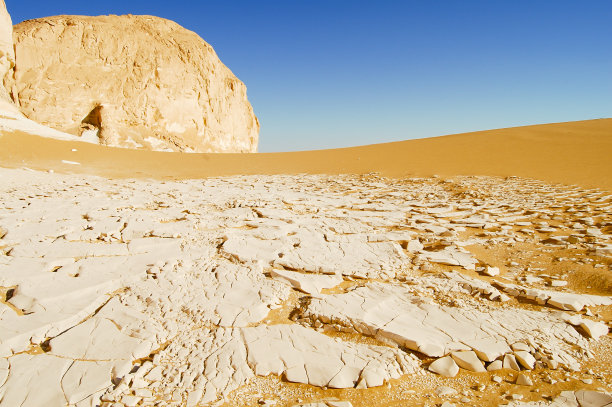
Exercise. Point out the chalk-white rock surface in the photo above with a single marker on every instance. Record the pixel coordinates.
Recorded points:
(156, 86)
(128, 292)
(7, 59)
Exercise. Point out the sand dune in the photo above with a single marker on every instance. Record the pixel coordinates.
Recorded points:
(569, 153)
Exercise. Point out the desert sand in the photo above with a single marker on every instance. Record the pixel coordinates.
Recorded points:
(470, 269)
(568, 153)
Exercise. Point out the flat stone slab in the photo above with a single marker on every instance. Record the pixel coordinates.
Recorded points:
(128, 291)
(394, 313)
(308, 357)
(308, 283)
(562, 300)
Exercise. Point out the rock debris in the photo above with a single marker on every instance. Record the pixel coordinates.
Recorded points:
(134, 292)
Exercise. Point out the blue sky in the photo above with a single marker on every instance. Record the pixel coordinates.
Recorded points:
(334, 73)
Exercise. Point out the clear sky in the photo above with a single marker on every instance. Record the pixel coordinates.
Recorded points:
(334, 73)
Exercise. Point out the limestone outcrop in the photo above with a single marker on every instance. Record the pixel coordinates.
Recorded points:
(7, 57)
(134, 81)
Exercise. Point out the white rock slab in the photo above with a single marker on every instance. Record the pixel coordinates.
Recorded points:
(305, 356)
(393, 313)
(309, 251)
(468, 360)
(86, 378)
(98, 339)
(562, 300)
(34, 380)
(308, 283)
(488, 350)
(451, 256)
(445, 366)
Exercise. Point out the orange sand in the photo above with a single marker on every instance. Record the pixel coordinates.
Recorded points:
(569, 153)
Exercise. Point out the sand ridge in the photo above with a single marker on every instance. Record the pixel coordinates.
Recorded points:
(349, 277)
(569, 153)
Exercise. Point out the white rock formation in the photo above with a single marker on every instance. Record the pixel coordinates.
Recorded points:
(156, 86)
(7, 60)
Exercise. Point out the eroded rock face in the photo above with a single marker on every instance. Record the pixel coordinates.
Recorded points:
(135, 81)
(7, 56)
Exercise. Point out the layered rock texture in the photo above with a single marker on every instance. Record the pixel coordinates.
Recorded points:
(134, 81)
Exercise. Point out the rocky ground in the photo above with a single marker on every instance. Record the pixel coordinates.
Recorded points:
(290, 290)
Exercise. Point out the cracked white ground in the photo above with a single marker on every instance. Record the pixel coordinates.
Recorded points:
(133, 292)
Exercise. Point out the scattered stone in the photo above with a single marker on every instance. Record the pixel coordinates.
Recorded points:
(519, 346)
(491, 271)
(442, 391)
(510, 363)
(488, 350)
(594, 329)
(531, 279)
(445, 366)
(130, 401)
(523, 380)
(552, 363)
(525, 359)
(495, 365)
(594, 232)
(468, 360)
